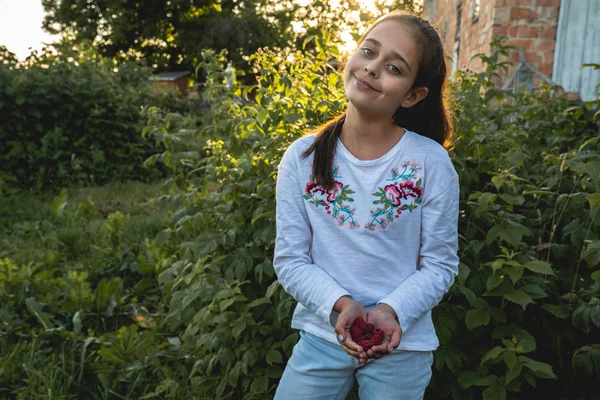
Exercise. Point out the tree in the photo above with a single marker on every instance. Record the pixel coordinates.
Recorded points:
(170, 34)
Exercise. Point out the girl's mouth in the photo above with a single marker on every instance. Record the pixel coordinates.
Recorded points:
(364, 84)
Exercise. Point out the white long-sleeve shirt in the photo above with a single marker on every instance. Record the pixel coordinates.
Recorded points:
(386, 233)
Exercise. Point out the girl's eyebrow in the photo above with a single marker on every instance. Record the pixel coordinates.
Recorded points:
(394, 53)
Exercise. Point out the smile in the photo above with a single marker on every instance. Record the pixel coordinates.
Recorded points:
(363, 84)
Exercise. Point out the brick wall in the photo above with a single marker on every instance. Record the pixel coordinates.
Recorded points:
(531, 24)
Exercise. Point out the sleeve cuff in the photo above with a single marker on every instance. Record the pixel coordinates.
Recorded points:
(403, 320)
(326, 310)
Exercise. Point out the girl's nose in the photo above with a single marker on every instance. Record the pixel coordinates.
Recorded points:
(370, 71)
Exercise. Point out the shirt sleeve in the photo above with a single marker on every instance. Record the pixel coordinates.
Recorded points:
(438, 259)
(307, 282)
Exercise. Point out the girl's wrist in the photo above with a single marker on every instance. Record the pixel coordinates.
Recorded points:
(387, 309)
(342, 303)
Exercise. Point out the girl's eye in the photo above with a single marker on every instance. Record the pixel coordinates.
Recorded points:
(394, 69)
(368, 52)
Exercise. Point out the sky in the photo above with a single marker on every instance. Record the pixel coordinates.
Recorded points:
(21, 26)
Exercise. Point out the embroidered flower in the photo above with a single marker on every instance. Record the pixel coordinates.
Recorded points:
(335, 201)
(409, 189)
(394, 195)
(334, 191)
(405, 193)
(313, 187)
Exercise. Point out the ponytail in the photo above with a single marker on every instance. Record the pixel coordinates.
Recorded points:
(324, 148)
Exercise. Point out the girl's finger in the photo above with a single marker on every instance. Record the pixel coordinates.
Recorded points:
(353, 349)
(351, 352)
(379, 350)
(395, 341)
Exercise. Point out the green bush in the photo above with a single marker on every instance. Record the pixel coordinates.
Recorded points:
(523, 312)
(73, 118)
(197, 311)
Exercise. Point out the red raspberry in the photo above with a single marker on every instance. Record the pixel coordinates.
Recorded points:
(369, 328)
(366, 336)
(365, 344)
(355, 332)
(360, 323)
(377, 339)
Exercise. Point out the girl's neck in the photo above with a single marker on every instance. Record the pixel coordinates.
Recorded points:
(369, 138)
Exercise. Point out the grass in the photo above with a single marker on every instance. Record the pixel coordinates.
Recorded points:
(70, 226)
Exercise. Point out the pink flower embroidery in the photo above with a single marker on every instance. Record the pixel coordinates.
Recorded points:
(313, 187)
(393, 194)
(406, 184)
(409, 189)
(336, 201)
(334, 191)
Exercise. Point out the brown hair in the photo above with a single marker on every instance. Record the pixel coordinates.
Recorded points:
(429, 117)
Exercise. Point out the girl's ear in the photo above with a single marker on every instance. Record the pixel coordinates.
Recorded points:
(416, 95)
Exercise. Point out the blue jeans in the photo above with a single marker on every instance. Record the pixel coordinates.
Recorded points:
(321, 370)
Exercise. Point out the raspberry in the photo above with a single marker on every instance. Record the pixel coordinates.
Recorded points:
(355, 332)
(360, 323)
(366, 335)
(377, 339)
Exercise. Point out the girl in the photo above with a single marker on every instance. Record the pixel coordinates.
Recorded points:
(367, 215)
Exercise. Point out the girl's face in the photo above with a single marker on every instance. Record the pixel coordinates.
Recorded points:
(379, 75)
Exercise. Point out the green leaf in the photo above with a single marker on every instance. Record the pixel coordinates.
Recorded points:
(513, 373)
(535, 291)
(77, 323)
(492, 354)
(485, 199)
(541, 267)
(495, 392)
(35, 309)
(250, 356)
(463, 273)
(514, 272)
(466, 379)
(473, 300)
(272, 288)
(586, 362)
(259, 385)
(510, 358)
(497, 314)
(559, 311)
(449, 356)
(226, 303)
(540, 369)
(475, 318)
(274, 356)
(592, 253)
(493, 281)
(595, 276)
(519, 297)
(594, 200)
(487, 381)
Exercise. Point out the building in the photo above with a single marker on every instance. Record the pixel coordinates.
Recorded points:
(556, 38)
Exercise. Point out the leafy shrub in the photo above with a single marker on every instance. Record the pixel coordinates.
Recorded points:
(73, 118)
(523, 313)
(529, 228)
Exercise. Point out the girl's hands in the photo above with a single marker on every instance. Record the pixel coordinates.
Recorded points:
(349, 310)
(384, 318)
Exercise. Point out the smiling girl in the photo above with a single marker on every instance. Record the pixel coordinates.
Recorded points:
(367, 215)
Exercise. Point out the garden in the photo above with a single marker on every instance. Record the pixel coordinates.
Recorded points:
(138, 227)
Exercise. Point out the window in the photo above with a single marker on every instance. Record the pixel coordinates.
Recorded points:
(456, 49)
(431, 10)
(476, 10)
